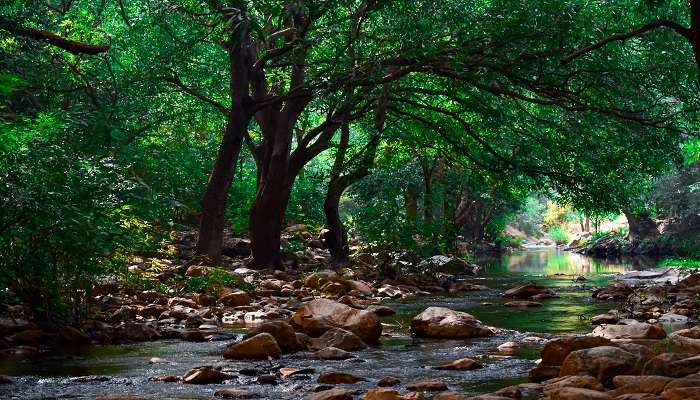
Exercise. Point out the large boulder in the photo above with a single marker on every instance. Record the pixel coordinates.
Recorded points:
(556, 350)
(319, 315)
(443, 323)
(630, 330)
(603, 363)
(283, 333)
(675, 365)
(260, 346)
(235, 299)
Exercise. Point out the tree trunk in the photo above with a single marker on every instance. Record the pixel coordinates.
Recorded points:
(640, 226)
(336, 239)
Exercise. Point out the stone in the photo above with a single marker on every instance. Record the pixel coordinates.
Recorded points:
(381, 311)
(463, 364)
(383, 394)
(683, 382)
(168, 378)
(628, 384)
(577, 381)
(71, 335)
(508, 348)
(334, 378)
(687, 340)
(522, 304)
(661, 364)
(137, 332)
(685, 393)
(528, 291)
(338, 338)
(266, 379)
(238, 298)
(181, 301)
(196, 271)
(443, 323)
(635, 330)
(388, 381)
(570, 393)
(604, 363)
(5, 380)
(286, 372)
(29, 337)
(430, 385)
(556, 350)
(319, 315)
(235, 394)
(204, 376)
(283, 333)
(611, 317)
(332, 353)
(452, 265)
(260, 346)
(330, 394)
(542, 373)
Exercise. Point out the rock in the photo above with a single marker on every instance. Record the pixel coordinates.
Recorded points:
(611, 317)
(632, 330)
(338, 338)
(360, 286)
(286, 372)
(158, 360)
(204, 376)
(152, 311)
(71, 335)
(5, 380)
(12, 325)
(523, 304)
(388, 381)
(673, 365)
(576, 381)
(283, 333)
(447, 264)
(683, 382)
(319, 315)
(383, 394)
(235, 394)
(556, 350)
(266, 379)
(430, 385)
(686, 393)
(29, 337)
(463, 364)
(168, 378)
(381, 311)
(330, 394)
(197, 270)
(331, 353)
(529, 291)
(137, 332)
(616, 291)
(687, 340)
(603, 363)
(542, 373)
(628, 384)
(334, 378)
(508, 348)
(181, 301)
(260, 346)
(236, 299)
(570, 393)
(443, 323)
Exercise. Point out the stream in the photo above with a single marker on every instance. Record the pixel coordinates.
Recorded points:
(93, 371)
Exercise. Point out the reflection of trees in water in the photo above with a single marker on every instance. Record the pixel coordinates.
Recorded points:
(551, 262)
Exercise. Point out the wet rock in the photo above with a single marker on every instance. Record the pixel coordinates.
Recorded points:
(71, 335)
(332, 353)
(443, 323)
(528, 291)
(381, 311)
(570, 393)
(181, 301)
(611, 317)
(152, 311)
(628, 384)
(330, 394)
(266, 379)
(616, 291)
(388, 381)
(137, 332)
(334, 378)
(556, 350)
(603, 363)
(204, 376)
(283, 333)
(673, 365)
(522, 304)
(236, 299)
(158, 360)
(466, 287)
(260, 346)
(168, 378)
(463, 364)
(319, 315)
(631, 330)
(541, 373)
(235, 394)
(29, 337)
(430, 385)
(447, 264)
(287, 372)
(194, 335)
(5, 380)
(383, 394)
(182, 312)
(338, 338)
(576, 381)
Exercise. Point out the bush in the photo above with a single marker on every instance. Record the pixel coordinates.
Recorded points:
(558, 234)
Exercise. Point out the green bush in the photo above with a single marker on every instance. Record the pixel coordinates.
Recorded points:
(558, 234)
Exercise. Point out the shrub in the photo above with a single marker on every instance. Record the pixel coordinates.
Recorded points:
(558, 234)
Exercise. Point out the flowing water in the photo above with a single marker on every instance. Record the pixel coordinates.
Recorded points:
(125, 369)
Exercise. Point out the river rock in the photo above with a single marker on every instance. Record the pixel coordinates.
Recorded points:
(541, 373)
(675, 365)
(528, 291)
(332, 353)
(604, 363)
(283, 333)
(137, 332)
(577, 381)
(570, 393)
(235, 299)
(628, 384)
(388, 381)
(687, 340)
(522, 304)
(334, 378)
(429, 385)
(463, 364)
(260, 346)
(381, 311)
(616, 291)
(29, 337)
(330, 394)
(235, 394)
(685, 393)
(610, 317)
(319, 315)
(383, 394)
(508, 348)
(556, 350)
(338, 338)
(71, 335)
(443, 323)
(630, 330)
(204, 376)
(447, 264)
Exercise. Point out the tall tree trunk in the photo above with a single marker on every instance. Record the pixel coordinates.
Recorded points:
(336, 239)
(640, 226)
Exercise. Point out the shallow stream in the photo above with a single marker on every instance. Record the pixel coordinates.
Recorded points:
(125, 369)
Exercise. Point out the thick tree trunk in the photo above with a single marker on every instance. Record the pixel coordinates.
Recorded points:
(336, 239)
(211, 227)
(640, 227)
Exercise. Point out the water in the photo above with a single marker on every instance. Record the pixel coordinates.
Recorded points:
(123, 370)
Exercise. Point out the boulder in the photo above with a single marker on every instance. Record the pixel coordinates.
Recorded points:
(463, 364)
(628, 384)
(576, 381)
(631, 330)
(388, 381)
(542, 373)
(332, 353)
(675, 365)
(137, 332)
(685, 393)
(604, 363)
(610, 317)
(570, 393)
(447, 264)
(235, 299)
(443, 323)
(429, 385)
(330, 394)
(383, 394)
(319, 315)
(616, 291)
(508, 348)
(204, 376)
(29, 337)
(556, 350)
(528, 291)
(381, 311)
(283, 333)
(71, 335)
(334, 378)
(260, 346)
(338, 338)
(687, 340)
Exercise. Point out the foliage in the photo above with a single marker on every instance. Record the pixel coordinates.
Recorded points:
(558, 234)
(682, 263)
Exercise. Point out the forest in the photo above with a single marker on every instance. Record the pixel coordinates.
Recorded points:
(350, 199)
